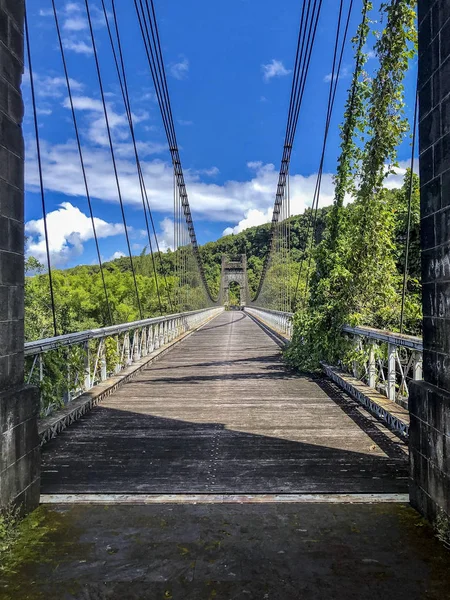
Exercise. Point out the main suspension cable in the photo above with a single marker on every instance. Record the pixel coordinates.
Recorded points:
(152, 44)
(307, 34)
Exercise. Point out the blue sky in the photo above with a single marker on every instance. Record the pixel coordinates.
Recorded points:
(229, 75)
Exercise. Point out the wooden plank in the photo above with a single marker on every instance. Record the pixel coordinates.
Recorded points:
(220, 413)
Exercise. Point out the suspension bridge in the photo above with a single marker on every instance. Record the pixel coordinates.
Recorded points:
(177, 455)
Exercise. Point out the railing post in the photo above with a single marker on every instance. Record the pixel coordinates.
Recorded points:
(151, 339)
(103, 367)
(156, 336)
(371, 367)
(136, 352)
(87, 367)
(144, 350)
(127, 349)
(120, 357)
(355, 367)
(391, 375)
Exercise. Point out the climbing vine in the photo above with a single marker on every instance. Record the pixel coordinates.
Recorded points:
(356, 279)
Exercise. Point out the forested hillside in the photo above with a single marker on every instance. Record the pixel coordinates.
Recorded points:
(79, 293)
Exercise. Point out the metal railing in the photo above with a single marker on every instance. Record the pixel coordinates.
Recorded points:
(278, 321)
(384, 360)
(66, 366)
(387, 361)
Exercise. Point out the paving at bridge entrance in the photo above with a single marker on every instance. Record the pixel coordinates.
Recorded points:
(218, 473)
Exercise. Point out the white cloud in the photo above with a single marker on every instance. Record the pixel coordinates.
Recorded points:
(78, 46)
(166, 235)
(45, 112)
(97, 131)
(75, 23)
(274, 69)
(240, 204)
(73, 17)
(185, 123)
(302, 193)
(342, 75)
(116, 255)
(180, 70)
(68, 229)
(395, 180)
(48, 86)
(253, 217)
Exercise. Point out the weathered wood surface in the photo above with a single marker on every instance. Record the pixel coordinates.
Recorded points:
(221, 414)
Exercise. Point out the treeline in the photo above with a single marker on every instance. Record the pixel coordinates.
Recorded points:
(79, 292)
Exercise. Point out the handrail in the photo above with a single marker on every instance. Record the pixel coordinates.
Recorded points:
(92, 356)
(69, 339)
(278, 321)
(388, 369)
(390, 337)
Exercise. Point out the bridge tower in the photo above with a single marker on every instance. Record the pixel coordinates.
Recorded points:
(234, 270)
(19, 404)
(430, 400)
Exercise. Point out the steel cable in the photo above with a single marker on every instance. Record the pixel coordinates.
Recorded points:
(41, 180)
(113, 157)
(150, 35)
(408, 228)
(80, 153)
(123, 84)
(335, 74)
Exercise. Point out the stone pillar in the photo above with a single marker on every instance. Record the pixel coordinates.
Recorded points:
(19, 404)
(430, 399)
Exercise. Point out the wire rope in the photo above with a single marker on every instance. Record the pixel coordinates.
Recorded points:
(80, 154)
(113, 157)
(41, 179)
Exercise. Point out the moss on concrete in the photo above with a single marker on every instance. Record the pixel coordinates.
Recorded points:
(44, 537)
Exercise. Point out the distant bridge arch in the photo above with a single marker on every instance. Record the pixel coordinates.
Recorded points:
(234, 270)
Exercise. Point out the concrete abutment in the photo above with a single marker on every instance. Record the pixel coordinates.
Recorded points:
(19, 404)
(430, 399)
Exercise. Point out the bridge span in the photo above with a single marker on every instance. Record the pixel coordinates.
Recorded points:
(221, 414)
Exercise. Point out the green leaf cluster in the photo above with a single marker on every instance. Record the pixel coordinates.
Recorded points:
(360, 262)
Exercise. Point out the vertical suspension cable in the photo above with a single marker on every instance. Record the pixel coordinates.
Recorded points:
(288, 303)
(175, 241)
(121, 75)
(80, 154)
(41, 180)
(113, 157)
(147, 201)
(305, 43)
(408, 228)
(335, 72)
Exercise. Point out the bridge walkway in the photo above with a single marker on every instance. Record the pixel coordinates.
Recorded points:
(221, 414)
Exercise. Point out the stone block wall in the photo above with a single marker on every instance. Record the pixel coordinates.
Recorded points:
(430, 400)
(19, 404)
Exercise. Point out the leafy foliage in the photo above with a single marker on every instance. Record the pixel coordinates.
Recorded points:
(360, 261)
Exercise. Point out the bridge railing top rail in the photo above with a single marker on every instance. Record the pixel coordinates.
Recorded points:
(272, 311)
(79, 337)
(390, 337)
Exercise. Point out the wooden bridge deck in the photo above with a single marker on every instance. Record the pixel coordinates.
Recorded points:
(220, 413)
